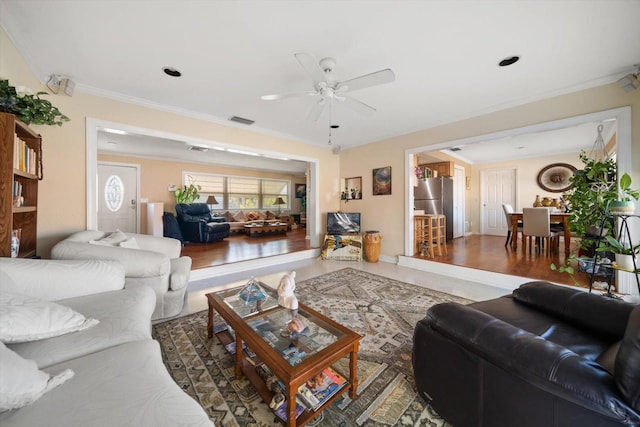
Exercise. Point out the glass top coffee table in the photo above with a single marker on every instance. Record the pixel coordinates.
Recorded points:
(260, 324)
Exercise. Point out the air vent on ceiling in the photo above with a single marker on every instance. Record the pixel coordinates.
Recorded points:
(455, 149)
(196, 148)
(242, 120)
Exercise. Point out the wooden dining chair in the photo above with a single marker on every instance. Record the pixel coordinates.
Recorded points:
(508, 210)
(536, 224)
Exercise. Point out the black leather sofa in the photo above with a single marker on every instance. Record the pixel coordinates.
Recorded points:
(198, 226)
(545, 356)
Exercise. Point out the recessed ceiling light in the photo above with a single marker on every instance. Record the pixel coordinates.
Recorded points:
(170, 71)
(509, 61)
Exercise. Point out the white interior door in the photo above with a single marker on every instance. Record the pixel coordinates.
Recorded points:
(118, 197)
(498, 186)
(459, 214)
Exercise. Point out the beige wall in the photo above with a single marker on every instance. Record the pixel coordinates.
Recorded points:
(156, 175)
(526, 182)
(62, 192)
(386, 213)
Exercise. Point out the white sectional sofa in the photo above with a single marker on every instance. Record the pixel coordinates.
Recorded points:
(118, 375)
(147, 260)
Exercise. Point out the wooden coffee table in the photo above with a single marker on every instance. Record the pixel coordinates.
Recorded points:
(257, 325)
(254, 230)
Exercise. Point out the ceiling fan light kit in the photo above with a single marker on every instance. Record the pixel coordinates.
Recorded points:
(327, 88)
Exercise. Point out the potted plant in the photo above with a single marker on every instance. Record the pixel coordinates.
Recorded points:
(589, 199)
(627, 197)
(28, 106)
(188, 193)
(623, 253)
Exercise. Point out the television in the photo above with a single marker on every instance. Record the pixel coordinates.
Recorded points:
(343, 222)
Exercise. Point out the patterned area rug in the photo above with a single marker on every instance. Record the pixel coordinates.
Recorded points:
(383, 310)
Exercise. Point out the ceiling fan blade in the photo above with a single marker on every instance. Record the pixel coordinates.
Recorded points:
(277, 96)
(316, 110)
(356, 105)
(312, 67)
(368, 80)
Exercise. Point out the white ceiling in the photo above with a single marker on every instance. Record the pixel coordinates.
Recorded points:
(154, 147)
(444, 55)
(530, 145)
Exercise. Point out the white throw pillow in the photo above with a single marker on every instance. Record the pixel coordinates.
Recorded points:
(112, 239)
(21, 382)
(130, 244)
(24, 318)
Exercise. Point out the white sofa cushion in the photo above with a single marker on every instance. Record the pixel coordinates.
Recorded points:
(130, 243)
(21, 383)
(127, 385)
(124, 316)
(24, 318)
(53, 280)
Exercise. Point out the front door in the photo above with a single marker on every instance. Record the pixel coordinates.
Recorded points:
(117, 197)
(498, 186)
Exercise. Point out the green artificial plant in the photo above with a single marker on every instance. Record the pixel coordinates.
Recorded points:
(593, 190)
(626, 193)
(188, 193)
(615, 246)
(28, 106)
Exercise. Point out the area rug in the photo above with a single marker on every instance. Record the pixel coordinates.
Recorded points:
(383, 310)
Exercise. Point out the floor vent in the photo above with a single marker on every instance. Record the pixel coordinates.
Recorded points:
(242, 120)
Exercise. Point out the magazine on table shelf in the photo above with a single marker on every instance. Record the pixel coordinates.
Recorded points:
(320, 388)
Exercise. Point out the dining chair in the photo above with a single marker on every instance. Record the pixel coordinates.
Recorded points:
(508, 210)
(536, 223)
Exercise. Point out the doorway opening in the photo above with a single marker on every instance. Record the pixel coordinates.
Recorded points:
(621, 116)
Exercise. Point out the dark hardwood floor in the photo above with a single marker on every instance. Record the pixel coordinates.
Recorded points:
(240, 247)
(481, 252)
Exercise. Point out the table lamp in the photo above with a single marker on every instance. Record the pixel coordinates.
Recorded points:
(279, 202)
(211, 200)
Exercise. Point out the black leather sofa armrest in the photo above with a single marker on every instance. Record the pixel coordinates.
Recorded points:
(604, 316)
(542, 363)
(218, 219)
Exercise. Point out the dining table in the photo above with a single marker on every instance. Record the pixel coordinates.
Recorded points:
(554, 217)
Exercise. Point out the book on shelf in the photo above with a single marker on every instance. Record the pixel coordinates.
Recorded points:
(24, 158)
(219, 327)
(281, 412)
(320, 388)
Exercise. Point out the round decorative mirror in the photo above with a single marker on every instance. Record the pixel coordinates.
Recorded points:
(555, 177)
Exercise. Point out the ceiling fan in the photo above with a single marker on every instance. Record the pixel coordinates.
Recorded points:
(326, 88)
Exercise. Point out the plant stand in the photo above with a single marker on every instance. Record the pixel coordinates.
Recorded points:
(607, 271)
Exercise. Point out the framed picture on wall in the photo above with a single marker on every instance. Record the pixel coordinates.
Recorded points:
(382, 181)
(301, 190)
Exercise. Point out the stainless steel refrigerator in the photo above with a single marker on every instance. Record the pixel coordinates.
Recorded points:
(435, 196)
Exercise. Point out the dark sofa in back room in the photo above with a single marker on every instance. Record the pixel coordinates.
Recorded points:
(198, 226)
(545, 356)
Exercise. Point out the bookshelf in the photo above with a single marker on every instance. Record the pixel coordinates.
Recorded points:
(20, 172)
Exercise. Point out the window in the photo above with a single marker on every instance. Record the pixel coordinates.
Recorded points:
(243, 193)
(114, 193)
(238, 192)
